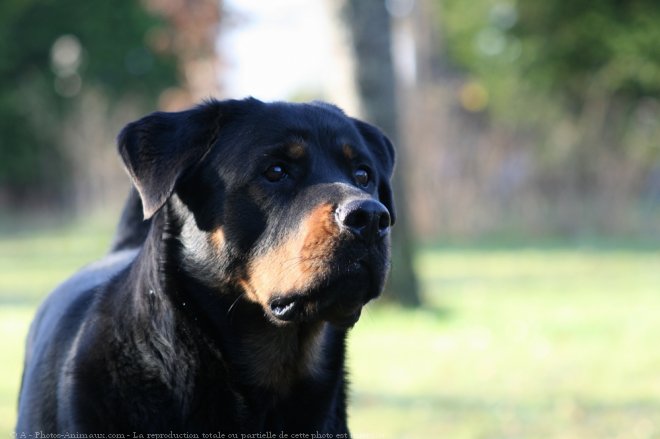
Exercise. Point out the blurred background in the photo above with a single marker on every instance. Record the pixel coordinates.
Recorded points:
(525, 289)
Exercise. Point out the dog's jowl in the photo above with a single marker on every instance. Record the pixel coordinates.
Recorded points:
(253, 237)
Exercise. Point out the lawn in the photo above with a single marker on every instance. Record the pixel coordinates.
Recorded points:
(519, 342)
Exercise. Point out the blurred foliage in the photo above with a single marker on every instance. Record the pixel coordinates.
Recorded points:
(572, 47)
(51, 52)
(575, 83)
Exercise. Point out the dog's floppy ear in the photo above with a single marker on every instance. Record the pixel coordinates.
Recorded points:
(383, 150)
(160, 147)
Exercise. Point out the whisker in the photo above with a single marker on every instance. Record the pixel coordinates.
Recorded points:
(231, 307)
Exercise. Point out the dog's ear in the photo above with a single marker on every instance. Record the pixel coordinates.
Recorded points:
(383, 150)
(160, 147)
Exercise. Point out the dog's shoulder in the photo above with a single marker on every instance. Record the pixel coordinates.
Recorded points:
(72, 297)
(51, 337)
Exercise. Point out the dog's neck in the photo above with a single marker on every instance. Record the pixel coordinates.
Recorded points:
(276, 357)
(257, 352)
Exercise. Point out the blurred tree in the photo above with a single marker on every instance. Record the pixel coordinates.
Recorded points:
(573, 52)
(581, 79)
(563, 46)
(50, 53)
(574, 46)
(603, 60)
(369, 25)
(191, 36)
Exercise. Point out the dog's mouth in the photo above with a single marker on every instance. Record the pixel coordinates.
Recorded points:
(285, 308)
(338, 301)
(298, 309)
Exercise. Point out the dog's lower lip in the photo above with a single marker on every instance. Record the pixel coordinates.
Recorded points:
(283, 308)
(348, 320)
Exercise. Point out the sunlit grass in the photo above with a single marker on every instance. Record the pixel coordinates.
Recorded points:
(541, 343)
(33, 262)
(517, 343)
(14, 322)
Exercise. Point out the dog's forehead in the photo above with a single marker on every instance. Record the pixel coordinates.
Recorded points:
(289, 130)
(315, 121)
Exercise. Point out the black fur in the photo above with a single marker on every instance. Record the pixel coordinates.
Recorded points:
(186, 326)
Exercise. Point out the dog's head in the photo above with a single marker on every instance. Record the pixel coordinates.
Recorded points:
(288, 204)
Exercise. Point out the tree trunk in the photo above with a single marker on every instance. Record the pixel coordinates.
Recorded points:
(370, 30)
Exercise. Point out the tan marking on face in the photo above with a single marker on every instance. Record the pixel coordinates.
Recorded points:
(249, 290)
(296, 151)
(297, 263)
(348, 151)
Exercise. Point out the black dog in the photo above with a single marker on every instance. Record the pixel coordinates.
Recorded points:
(227, 311)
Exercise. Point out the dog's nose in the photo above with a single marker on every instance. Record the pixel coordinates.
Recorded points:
(367, 219)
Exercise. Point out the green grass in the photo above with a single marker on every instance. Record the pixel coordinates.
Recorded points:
(32, 262)
(517, 343)
(549, 342)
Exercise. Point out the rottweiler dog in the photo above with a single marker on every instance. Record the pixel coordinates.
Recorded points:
(226, 311)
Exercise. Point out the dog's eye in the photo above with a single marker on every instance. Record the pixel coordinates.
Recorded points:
(362, 177)
(275, 173)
